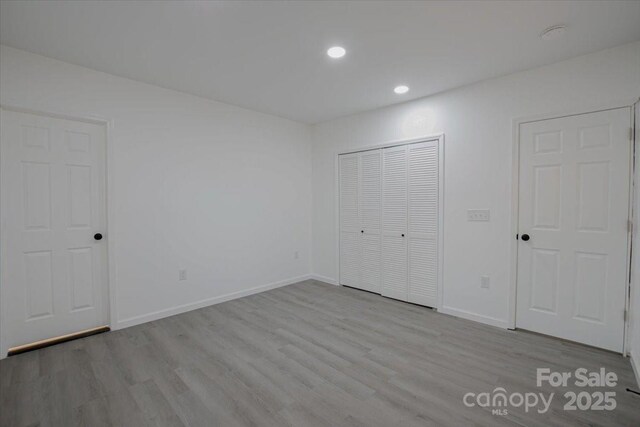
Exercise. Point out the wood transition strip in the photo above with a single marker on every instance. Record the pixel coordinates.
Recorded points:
(56, 340)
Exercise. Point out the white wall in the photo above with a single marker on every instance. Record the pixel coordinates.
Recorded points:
(477, 121)
(219, 190)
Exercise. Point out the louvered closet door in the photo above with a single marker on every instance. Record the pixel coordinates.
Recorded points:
(370, 199)
(350, 239)
(394, 222)
(422, 233)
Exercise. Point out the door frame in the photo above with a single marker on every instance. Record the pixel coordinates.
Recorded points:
(107, 125)
(515, 198)
(439, 137)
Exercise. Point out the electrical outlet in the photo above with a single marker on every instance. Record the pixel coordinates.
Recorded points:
(182, 274)
(478, 215)
(296, 255)
(485, 282)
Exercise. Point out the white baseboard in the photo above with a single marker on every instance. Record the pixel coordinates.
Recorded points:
(324, 279)
(635, 365)
(172, 311)
(499, 323)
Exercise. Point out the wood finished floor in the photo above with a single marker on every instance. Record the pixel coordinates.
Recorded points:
(308, 354)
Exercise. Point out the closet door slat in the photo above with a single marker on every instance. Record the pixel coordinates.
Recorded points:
(370, 216)
(350, 239)
(394, 222)
(423, 210)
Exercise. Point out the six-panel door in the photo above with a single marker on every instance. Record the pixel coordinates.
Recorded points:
(53, 196)
(574, 204)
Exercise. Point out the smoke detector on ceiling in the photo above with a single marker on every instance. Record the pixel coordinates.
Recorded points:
(554, 33)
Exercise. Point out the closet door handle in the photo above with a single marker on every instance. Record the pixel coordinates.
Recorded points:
(402, 234)
(362, 231)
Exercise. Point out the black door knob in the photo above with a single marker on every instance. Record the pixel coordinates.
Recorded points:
(362, 231)
(525, 237)
(97, 236)
(403, 235)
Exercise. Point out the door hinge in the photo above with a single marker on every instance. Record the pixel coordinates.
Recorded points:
(625, 315)
(630, 226)
(631, 134)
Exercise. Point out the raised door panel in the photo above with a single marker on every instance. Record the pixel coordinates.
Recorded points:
(394, 222)
(593, 196)
(423, 210)
(81, 278)
(38, 270)
(79, 196)
(544, 278)
(36, 190)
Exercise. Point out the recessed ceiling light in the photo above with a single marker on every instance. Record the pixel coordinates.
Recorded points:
(336, 52)
(401, 89)
(554, 32)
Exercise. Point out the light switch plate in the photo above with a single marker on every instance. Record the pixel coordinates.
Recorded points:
(478, 215)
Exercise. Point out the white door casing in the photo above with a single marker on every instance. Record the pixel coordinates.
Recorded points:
(54, 273)
(574, 205)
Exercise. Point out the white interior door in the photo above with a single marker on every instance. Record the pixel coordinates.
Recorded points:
(394, 222)
(423, 214)
(350, 239)
(370, 199)
(574, 206)
(53, 202)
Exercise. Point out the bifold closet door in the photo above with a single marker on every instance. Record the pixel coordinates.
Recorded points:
(394, 222)
(370, 199)
(423, 213)
(389, 221)
(350, 239)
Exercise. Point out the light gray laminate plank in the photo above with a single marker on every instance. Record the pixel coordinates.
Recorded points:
(308, 354)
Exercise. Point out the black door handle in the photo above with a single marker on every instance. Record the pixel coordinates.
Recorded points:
(97, 236)
(525, 237)
(403, 235)
(362, 231)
